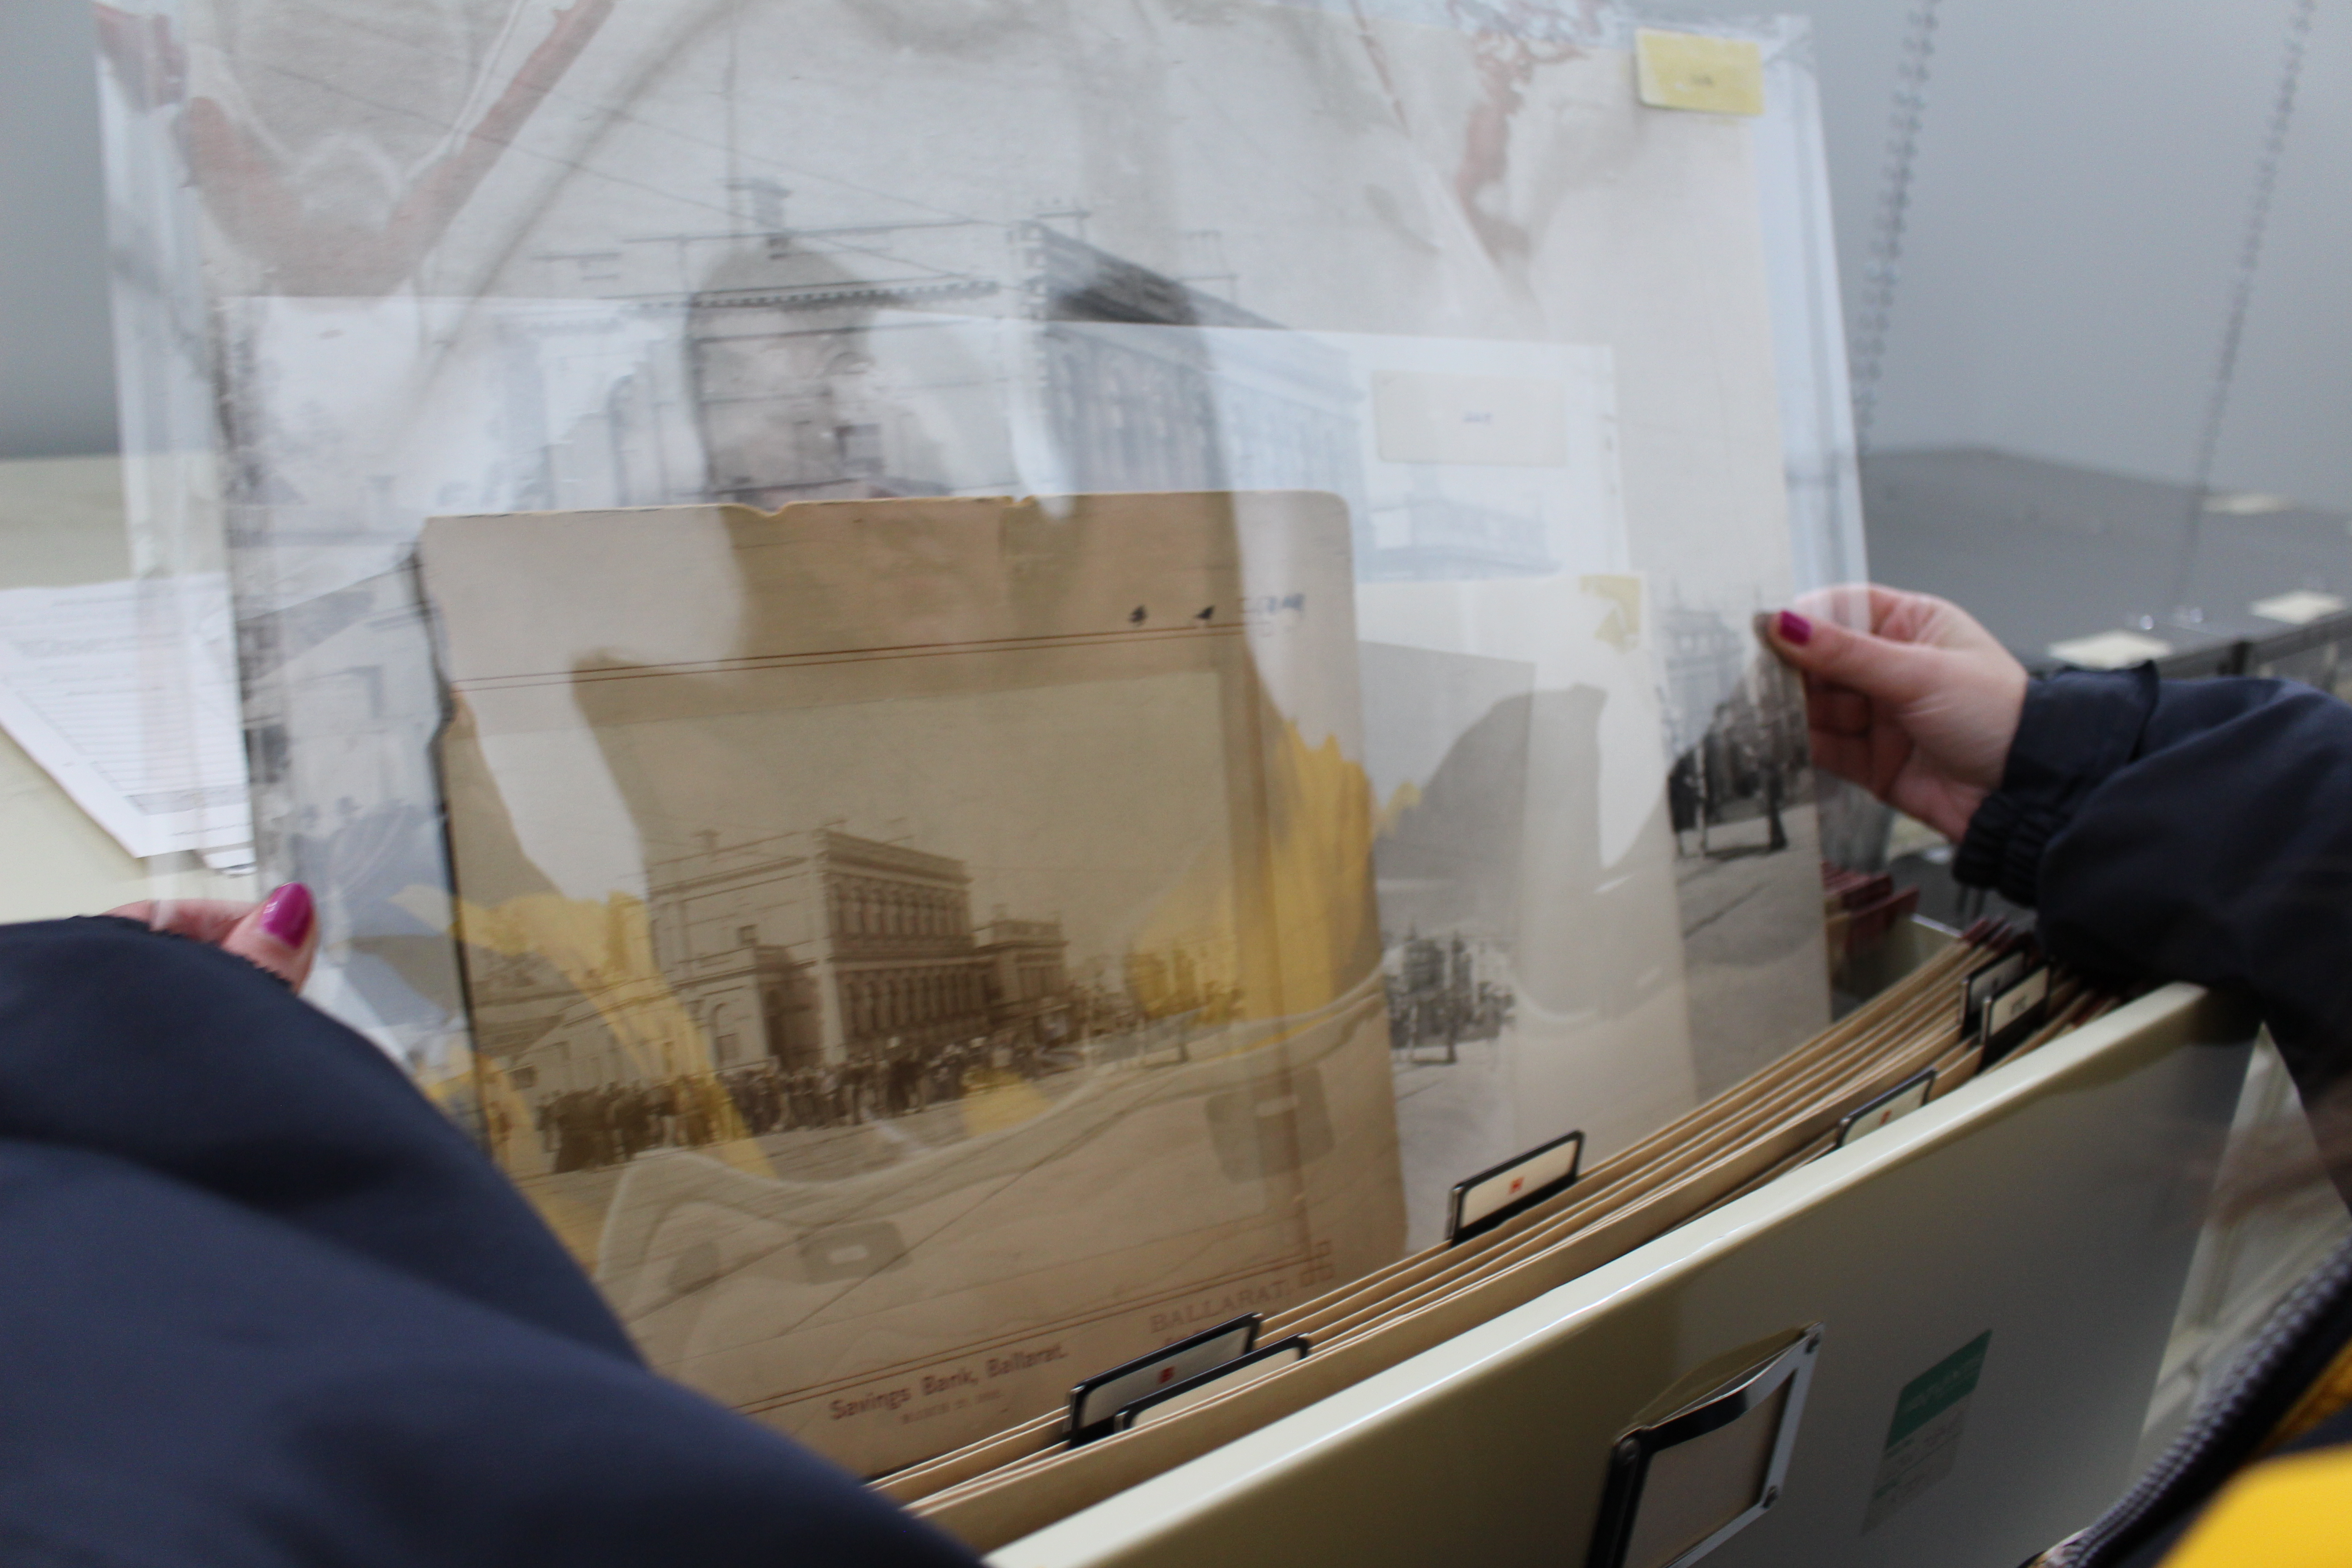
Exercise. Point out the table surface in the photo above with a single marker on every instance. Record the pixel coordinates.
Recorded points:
(61, 524)
(2041, 552)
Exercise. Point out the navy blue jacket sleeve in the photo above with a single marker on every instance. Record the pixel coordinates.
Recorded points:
(260, 1304)
(2187, 830)
(202, 1070)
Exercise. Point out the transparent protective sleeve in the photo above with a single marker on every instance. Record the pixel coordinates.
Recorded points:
(1479, 390)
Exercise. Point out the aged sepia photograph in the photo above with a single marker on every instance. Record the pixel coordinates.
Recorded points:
(874, 1005)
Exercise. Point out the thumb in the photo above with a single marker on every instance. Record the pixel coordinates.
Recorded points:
(280, 934)
(1859, 661)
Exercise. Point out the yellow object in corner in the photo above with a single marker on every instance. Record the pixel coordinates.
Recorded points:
(2282, 1513)
(1692, 71)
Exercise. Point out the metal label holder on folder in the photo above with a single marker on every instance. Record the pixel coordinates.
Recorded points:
(1710, 1461)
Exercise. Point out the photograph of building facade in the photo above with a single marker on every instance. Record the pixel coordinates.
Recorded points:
(934, 358)
(806, 952)
(854, 363)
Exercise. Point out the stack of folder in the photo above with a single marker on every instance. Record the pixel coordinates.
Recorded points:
(933, 1192)
(1989, 997)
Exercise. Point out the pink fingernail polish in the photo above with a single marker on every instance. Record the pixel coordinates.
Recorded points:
(286, 914)
(1795, 629)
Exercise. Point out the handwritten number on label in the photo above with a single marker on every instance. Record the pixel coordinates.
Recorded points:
(1135, 617)
(1207, 613)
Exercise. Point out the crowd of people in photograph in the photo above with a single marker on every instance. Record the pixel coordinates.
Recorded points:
(587, 1128)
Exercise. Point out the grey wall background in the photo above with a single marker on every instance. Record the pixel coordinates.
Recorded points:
(56, 380)
(2081, 192)
(2082, 189)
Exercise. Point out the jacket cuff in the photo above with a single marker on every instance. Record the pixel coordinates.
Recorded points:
(2077, 728)
(2003, 848)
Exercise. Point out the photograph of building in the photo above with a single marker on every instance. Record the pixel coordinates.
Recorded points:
(833, 979)
(821, 948)
(935, 357)
(1443, 992)
(849, 363)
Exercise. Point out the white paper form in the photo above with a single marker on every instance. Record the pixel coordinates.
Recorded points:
(125, 693)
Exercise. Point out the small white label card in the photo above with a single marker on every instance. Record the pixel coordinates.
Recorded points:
(1492, 1196)
(1982, 986)
(1095, 1402)
(1262, 1363)
(1893, 1105)
(1431, 417)
(2013, 1014)
(1922, 1441)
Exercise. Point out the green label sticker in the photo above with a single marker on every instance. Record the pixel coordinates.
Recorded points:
(1923, 1440)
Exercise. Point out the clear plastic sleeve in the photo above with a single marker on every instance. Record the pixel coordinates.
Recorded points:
(1482, 393)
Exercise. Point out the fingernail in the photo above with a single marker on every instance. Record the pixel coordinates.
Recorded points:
(286, 914)
(1795, 629)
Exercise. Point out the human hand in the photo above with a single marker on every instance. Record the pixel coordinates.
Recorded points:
(1919, 710)
(280, 933)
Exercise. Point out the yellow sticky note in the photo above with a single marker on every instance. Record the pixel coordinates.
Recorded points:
(1691, 71)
